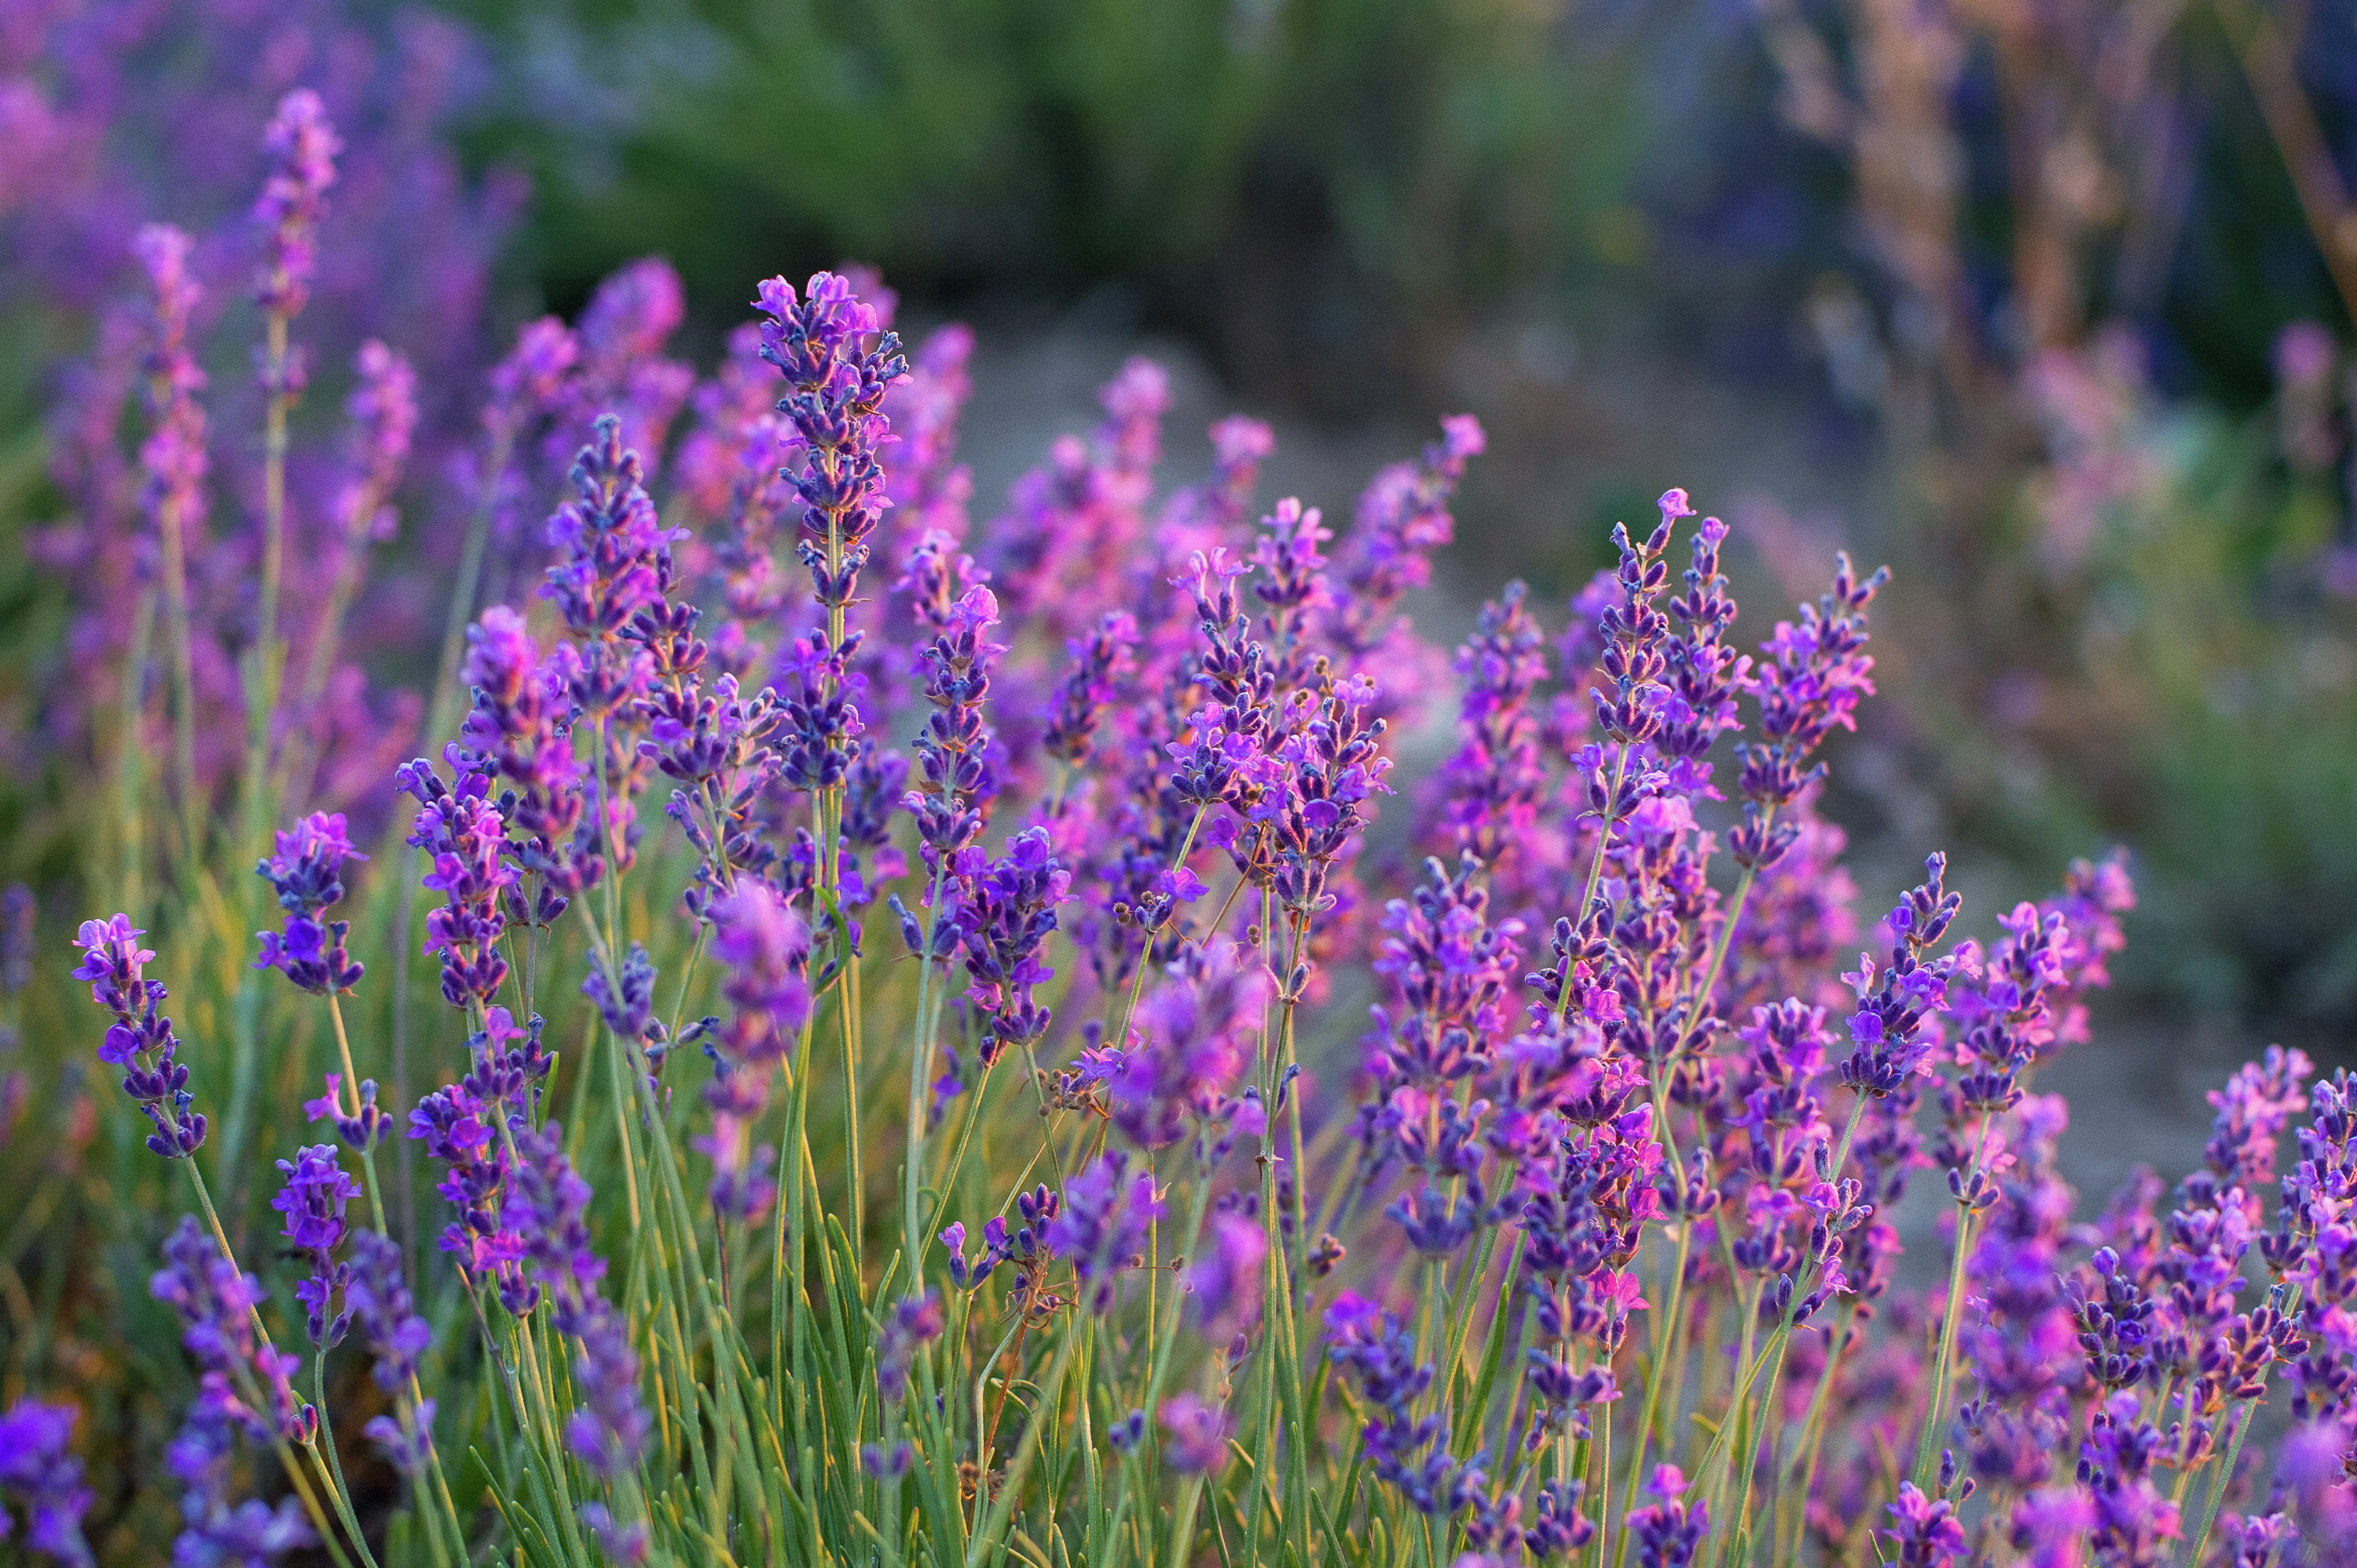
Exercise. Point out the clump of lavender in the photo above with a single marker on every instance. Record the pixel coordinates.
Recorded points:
(1586, 1251)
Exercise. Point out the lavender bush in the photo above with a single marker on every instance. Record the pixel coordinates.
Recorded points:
(838, 1055)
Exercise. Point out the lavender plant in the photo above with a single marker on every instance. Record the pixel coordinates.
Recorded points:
(1060, 1217)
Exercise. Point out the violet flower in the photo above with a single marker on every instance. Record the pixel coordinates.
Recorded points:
(1006, 911)
(140, 1041)
(1895, 1001)
(1668, 1533)
(838, 365)
(464, 838)
(306, 873)
(1227, 1280)
(302, 147)
(1191, 1041)
(40, 1475)
(1195, 1435)
(1808, 682)
(1102, 1223)
(313, 1200)
(243, 1375)
(1405, 1451)
(913, 1324)
(378, 1300)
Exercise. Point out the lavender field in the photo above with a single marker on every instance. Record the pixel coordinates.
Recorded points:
(1120, 887)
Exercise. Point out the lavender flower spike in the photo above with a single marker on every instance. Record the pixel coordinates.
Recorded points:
(42, 1477)
(140, 1041)
(307, 876)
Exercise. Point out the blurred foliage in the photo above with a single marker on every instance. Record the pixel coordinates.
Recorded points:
(1373, 169)
(2186, 681)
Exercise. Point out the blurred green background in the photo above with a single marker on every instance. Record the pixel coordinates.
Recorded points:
(1991, 289)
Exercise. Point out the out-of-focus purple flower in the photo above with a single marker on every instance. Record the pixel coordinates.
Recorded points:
(1195, 1435)
(214, 1530)
(2050, 1526)
(1060, 552)
(17, 910)
(216, 1301)
(302, 147)
(621, 371)
(39, 1474)
(381, 416)
(1096, 666)
(1102, 1223)
(1402, 518)
(140, 1041)
(1491, 788)
(380, 1302)
(913, 1323)
(312, 1199)
(626, 1545)
(173, 461)
(766, 947)
(1190, 1043)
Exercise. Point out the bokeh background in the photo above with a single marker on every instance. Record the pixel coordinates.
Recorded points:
(2045, 303)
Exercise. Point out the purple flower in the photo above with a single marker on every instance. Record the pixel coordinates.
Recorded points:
(1403, 517)
(213, 1529)
(302, 147)
(140, 1040)
(1491, 788)
(459, 1127)
(1096, 667)
(464, 838)
(626, 1545)
(17, 938)
(306, 873)
(383, 419)
(216, 1301)
(1376, 1349)
(1005, 913)
(838, 364)
(516, 733)
(1895, 1001)
(1808, 682)
(953, 751)
(312, 1201)
(913, 1324)
(1190, 1044)
(1195, 1435)
(1102, 1223)
(1667, 1533)
(379, 1301)
(39, 1474)
(766, 947)
(1227, 1280)
(1925, 1534)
